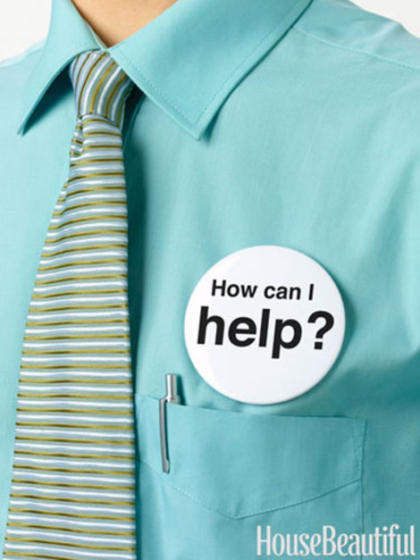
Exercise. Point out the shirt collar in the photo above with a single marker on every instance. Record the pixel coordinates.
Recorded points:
(187, 61)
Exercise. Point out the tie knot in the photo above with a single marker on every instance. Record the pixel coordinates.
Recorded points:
(100, 86)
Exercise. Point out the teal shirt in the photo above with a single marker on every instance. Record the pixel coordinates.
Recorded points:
(296, 124)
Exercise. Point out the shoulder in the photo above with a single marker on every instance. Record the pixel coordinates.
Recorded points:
(368, 65)
(341, 25)
(22, 64)
(339, 56)
(14, 76)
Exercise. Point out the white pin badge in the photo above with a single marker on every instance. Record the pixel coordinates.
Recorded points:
(264, 325)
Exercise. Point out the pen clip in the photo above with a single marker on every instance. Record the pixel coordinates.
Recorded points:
(171, 396)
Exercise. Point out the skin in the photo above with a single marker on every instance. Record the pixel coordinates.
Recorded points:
(115, 20)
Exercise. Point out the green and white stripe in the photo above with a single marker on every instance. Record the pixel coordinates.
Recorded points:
(72, 493)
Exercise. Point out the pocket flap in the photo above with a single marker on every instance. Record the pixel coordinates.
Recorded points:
(245, 464)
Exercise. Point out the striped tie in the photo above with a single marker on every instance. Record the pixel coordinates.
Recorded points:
(72, 493)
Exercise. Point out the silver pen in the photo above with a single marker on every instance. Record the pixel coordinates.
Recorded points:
(171, 396)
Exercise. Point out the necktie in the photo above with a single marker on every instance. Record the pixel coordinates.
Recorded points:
(72, 493)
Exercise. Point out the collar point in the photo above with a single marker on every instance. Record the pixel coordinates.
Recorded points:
(23, 122)
(197, 133)
(20, 131)
(196, 129)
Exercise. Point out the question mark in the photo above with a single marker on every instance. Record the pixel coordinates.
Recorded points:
(329, 323)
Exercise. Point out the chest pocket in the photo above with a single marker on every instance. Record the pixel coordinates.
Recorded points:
(236, 480)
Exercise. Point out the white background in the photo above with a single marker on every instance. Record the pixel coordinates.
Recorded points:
(24, 22)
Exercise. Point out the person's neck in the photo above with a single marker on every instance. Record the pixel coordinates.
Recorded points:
(115, 20)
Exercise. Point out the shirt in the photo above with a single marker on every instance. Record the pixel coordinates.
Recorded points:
(293, 124)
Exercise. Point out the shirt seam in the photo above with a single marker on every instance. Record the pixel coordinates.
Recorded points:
(225, 512)
(355, 50)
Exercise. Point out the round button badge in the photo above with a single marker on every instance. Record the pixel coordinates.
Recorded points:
(264, 325)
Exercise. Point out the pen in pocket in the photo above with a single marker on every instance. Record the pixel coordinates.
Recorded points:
(171, 396)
